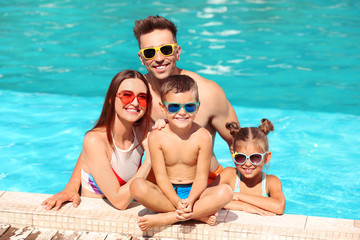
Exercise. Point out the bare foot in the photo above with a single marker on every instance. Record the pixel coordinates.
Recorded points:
(211, 220)
(150, 221)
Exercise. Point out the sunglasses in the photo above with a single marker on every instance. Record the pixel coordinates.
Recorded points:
(128, 97)
(255, 158)
(175, 107)
(165, 50)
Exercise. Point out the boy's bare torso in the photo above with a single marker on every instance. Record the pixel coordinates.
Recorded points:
(180, 154)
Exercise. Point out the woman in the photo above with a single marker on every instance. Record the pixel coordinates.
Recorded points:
(112, 150)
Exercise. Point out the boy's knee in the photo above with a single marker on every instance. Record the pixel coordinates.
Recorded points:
(138, 187)
(225, 192)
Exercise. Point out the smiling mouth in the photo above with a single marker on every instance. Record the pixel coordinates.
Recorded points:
(161, 67)
(248, 170)
(181, 118)
(132, 110)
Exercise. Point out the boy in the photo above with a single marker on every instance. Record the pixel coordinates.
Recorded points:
(180, 156)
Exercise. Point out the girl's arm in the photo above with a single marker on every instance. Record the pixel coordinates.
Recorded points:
(97, 157)
(246, 207)
(274, 203)
(202, 168)
(159, 168)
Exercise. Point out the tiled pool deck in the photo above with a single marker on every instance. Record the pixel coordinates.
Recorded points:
(22, 215)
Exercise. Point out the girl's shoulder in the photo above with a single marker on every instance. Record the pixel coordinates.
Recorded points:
(272, 180)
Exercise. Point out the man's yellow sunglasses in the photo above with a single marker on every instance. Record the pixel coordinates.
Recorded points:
(165, 50)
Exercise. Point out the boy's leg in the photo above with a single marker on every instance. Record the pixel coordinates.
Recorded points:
(210, 202)
(150, 196)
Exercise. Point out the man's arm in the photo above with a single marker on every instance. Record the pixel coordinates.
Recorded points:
(215, 102)
(222, 112)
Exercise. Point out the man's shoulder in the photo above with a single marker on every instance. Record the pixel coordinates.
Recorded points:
(205, 85)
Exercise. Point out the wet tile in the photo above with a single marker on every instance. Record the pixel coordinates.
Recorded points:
(357, 223)
(222, 213)
(17, 233)
(93, 236)
(41, 233)
(67, 234)
(331, 225)
(3, 228)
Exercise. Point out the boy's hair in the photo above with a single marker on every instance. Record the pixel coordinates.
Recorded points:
(151, 23)
(179, 84)
(256, 135)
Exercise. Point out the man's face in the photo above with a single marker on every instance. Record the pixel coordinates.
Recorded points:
(160, 67)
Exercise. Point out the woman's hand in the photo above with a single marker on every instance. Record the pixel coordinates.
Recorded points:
(59, 198)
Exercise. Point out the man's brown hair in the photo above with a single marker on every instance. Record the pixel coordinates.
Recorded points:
(151, 23)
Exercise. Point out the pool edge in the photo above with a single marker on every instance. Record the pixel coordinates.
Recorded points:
(97, 215)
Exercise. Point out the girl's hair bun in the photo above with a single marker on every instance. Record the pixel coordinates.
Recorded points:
(266, 126)
(233, 127)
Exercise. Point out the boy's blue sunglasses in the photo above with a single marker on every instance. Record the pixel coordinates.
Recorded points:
(255, 158)
(175, 107)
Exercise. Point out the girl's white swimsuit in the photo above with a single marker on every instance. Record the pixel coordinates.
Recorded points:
(263, 183)
(124, 164)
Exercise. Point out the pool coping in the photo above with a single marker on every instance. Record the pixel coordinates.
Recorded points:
(98, 215)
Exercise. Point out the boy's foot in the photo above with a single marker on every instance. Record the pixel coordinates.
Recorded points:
(150, 221)
(211, 220)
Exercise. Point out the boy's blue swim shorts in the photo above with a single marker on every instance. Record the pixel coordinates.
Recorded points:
(182, 190)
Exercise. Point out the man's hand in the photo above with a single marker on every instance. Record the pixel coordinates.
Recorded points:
(160, 124)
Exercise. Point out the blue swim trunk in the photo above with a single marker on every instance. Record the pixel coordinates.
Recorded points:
(182, 190)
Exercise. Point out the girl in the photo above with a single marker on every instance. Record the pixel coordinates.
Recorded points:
(254, 191)
(113, 148)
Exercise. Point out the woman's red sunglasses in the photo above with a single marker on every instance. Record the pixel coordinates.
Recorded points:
(128, 97)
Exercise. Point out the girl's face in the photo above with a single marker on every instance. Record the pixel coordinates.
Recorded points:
(129, 102)
(248, 170)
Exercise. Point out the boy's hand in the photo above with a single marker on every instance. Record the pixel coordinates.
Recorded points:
(182, 204)
(160, 124)
(184, 210)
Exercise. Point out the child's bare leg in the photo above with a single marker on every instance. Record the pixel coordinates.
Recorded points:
(153, 220)
(150, 196)
(210, 202)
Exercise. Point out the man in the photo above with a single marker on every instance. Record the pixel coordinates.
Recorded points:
(159, 53)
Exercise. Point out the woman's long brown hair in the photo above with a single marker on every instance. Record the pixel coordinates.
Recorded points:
(107, 116)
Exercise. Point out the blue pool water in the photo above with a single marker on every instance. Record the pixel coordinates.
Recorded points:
(294, 62)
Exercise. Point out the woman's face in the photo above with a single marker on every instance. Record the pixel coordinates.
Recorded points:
(130, 101)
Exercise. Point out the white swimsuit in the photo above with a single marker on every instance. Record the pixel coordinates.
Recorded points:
(263, 183)
(124, 164)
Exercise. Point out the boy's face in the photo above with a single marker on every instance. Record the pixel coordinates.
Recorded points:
(160, 66)
(186, 114)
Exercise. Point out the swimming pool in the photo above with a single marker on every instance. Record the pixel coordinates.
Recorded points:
(294, 62)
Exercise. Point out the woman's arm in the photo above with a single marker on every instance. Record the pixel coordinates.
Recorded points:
(70, 192)
(97, 155)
